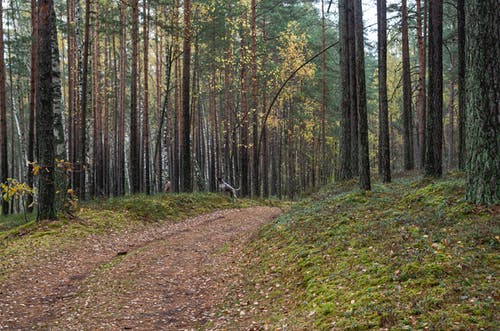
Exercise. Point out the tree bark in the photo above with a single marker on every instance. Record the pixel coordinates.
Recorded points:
(461, 84)
(384, 146)
(3, 117)
(135, 169)
(421, 104)
(409, 163)
(345, 165)
(434, 118)
(186, 173)
(45, 118)
(364, 157)
(483, 114)
(83, 121)
(145, 133)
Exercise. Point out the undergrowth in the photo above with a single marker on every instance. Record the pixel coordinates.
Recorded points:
(407, 255)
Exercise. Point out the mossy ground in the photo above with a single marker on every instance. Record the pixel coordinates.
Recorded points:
(406, 255)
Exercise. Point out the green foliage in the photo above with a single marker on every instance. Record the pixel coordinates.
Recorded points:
(408, 255)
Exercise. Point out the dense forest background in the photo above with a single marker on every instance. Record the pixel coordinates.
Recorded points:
(256, 92)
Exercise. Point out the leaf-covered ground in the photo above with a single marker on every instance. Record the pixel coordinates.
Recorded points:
(410, 255)
(131, 263)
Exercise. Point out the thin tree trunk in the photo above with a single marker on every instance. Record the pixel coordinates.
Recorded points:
(384, 148)
(83, 123)
(421, 15)
(364, 157)
(461, 84)
(254, 107)
(147, 174)
(353, 88)
(3, 116)
(32, 103)
(135, 169)
(407, 92)
(186, 174)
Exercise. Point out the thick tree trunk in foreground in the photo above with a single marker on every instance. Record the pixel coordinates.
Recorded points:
(45, 118)
(483, 122)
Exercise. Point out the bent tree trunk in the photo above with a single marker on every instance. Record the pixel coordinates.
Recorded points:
(482, 109)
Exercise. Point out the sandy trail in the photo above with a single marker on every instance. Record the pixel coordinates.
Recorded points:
(168, 277)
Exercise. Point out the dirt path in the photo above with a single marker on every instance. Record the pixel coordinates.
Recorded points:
(168, 277)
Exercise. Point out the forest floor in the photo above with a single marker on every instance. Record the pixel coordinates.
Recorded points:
(164, 276)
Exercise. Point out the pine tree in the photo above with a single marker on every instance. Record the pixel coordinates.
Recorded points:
(483, 114)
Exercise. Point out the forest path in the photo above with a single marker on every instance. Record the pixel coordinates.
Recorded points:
(167, 277)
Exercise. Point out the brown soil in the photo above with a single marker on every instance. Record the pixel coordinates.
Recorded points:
(168, 277)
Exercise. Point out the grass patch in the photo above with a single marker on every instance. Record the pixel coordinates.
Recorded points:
(407, 255)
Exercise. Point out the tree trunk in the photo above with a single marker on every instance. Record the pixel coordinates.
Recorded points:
(83, 121)
(186, 182)
(384, 148)
(407, 93)
(483, 114)
(32, 103)
(345, 121)
(461, 84)
(434, 118)
(45, 118)
(421, 80)
(3, 115)
(353, 89)
(135, 169)
(254, 107)
(364, 157)
(145, 131)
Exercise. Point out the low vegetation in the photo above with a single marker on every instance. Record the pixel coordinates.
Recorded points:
(407, 255)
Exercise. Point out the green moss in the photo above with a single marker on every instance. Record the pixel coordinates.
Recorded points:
(408, 255)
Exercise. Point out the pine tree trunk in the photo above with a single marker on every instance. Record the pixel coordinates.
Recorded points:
(244, 154)
(353, 89)
(186, 177)
(434, 118)
(461, 84)
(45, 118)
(483, 114)
(421, 81)
(407, 93)
(145, 133)
(135, 169)
(254, 107)
(345, 165)
(384, 148)
(32, 102)
(364, 156)
(3, 115)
